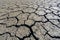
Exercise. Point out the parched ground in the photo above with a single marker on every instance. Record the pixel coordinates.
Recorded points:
(29, 19)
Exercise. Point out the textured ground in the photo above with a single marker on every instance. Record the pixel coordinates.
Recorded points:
(29, 19)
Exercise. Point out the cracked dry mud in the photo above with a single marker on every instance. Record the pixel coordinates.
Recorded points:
(29, 19)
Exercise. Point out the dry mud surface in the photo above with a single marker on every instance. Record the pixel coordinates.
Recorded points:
(29, 19)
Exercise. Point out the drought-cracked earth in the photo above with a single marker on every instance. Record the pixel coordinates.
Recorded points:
(29, 19)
